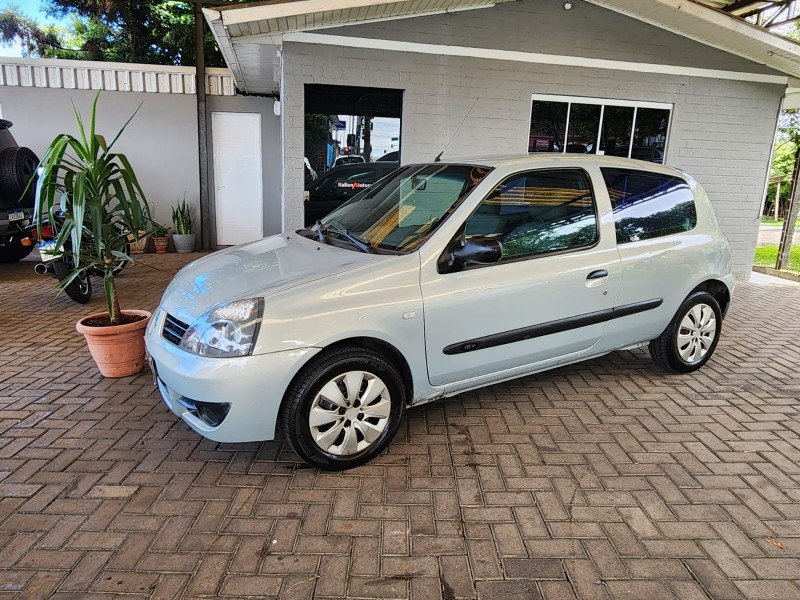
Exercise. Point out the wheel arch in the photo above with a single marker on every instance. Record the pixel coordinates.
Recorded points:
(382, 347)
(719, 290)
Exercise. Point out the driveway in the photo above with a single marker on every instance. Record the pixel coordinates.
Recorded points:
(770, 235)
(606, 479)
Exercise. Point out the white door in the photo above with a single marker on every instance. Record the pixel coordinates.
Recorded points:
(238, 196)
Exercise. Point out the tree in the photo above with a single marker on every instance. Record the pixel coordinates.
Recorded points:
(33, 38)
(789, 130)
(140, 31)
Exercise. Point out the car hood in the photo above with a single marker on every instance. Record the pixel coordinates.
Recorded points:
(257, 269)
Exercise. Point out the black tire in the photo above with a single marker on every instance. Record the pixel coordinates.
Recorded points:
(304, 391)
(80, 289)
(667, 349)
(12, 249)
(18, 167)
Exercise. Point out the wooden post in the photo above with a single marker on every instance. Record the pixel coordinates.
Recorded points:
(202, 127)
(791, 217)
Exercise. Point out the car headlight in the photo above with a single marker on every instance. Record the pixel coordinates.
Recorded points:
(226, 330)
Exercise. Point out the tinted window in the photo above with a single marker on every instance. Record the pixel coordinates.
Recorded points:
(538, 212)
(647, 205)
(548, 126)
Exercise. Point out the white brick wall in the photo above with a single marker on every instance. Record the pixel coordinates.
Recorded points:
(721, 130)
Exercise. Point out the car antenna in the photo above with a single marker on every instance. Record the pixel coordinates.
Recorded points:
(452, 137)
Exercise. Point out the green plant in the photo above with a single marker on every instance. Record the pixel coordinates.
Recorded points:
(101, 198)
(160, 230)
(182, 218)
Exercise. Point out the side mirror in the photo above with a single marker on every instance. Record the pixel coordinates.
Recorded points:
(477, 249)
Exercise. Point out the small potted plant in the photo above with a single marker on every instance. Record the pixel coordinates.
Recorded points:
(182, 221)
(160, 237)
(99, 192)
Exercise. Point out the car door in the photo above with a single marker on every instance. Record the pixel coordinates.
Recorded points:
(549, 296)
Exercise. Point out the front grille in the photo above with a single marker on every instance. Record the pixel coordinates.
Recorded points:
(174, 329)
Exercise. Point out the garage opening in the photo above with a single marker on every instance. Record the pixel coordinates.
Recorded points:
(352, 139)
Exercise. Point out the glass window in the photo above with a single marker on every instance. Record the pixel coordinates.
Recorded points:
(538, 212)
(402, 210)
(649, 205)
(584, 119)
(615, 137)
(548, 126)
(650, 134)
(596, 126)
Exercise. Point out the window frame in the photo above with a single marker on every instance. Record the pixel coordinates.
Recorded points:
(461, 234)
(603, 102)
(646, 173)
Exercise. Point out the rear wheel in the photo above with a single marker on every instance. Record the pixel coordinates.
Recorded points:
(344, 408)
(12, 249)
(80, 288)
(690, 339)
(18, 167)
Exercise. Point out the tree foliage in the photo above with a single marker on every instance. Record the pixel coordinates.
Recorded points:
(138, 31)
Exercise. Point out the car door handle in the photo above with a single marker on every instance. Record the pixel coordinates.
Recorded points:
(599, 274)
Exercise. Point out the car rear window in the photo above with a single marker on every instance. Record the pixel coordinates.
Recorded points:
(649, 205)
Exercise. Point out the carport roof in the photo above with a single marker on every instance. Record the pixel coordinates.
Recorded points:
(249, 35)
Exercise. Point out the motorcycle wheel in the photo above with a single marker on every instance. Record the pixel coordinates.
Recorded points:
(79, 289)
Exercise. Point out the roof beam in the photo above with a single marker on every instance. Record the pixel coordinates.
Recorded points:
(739, 5)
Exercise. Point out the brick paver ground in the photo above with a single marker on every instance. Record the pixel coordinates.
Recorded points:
(607, 479)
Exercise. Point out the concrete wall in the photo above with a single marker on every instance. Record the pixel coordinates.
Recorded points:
(161, 141)
(271, 154)
(165, 165)
(721, 131)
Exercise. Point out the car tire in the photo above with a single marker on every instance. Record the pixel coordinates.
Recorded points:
(690, 339)
(323, 416)
(12, 249)
(18, 167)
(80, 288)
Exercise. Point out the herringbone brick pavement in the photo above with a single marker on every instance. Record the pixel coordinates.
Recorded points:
(606, 479)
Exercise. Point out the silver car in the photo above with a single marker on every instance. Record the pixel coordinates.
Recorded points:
(438, 279)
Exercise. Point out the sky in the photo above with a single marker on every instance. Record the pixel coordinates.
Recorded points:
(30, 8)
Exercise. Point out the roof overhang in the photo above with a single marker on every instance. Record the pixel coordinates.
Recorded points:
(714, 28)
(251, 35)
(240, 29)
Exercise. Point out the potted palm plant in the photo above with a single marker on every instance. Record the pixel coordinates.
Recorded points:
(182, 221)
(102, 202)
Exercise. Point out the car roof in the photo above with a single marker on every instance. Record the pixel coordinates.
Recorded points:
(361, 165)
(523, 160)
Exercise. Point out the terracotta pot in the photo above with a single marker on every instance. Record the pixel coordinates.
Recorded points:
(161, 244)
(138, 247)
(117, 350)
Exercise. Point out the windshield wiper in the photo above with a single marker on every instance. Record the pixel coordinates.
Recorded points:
(358, 242)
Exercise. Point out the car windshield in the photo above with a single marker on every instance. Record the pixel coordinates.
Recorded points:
(402, 210)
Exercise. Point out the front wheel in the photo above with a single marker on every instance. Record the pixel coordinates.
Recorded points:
(691, 337)
(80, 288)
(344, 408)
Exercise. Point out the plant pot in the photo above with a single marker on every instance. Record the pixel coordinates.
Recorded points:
(161, 244)
(118, 350)
(184, 242)
(138, 247)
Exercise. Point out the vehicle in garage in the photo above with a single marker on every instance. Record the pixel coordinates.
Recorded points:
(439, 279)
(339, 185)
(17, 168)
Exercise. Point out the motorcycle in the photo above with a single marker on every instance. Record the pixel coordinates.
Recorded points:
(58, 262)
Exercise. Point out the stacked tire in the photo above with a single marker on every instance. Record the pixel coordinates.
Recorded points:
(17, 168)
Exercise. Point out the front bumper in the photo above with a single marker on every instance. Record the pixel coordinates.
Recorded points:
(253, 386)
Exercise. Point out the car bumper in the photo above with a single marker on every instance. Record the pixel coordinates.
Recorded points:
(252, 387)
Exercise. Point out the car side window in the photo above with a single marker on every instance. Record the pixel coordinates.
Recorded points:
(537, 213)
(649, 205)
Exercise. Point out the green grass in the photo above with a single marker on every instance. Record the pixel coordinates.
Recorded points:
(765, 220)
(767, 255)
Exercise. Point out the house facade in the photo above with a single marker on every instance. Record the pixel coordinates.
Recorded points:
(474, 74)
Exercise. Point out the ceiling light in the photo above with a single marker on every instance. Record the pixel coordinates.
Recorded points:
(567, 5)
